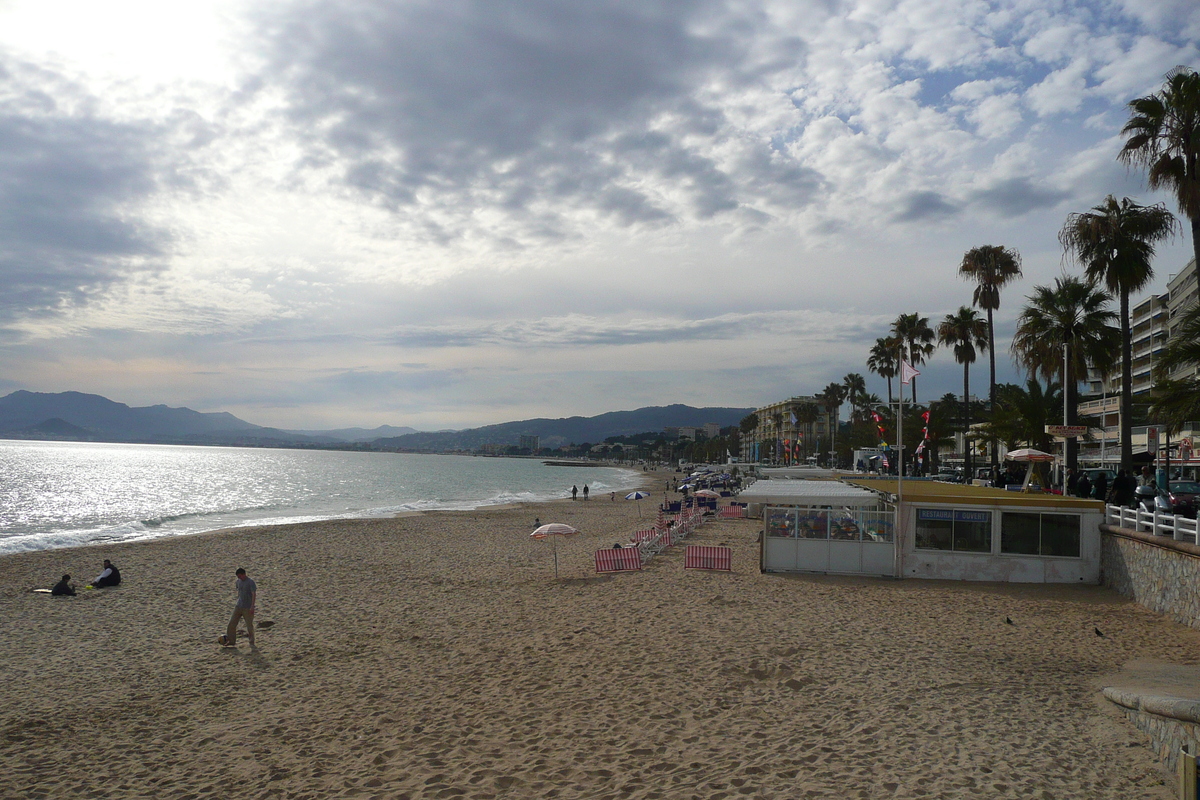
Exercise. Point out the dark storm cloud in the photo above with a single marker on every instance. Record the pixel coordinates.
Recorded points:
(1017, 196)
(69, 181)
(918, 206)
(533, 109)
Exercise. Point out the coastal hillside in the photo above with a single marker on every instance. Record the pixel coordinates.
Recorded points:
(75, 416)
(554, 432)
(93, 416)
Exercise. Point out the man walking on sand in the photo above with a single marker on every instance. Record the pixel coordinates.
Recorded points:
(247, 593)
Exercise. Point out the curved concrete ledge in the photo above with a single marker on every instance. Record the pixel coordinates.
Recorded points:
(1180, 708)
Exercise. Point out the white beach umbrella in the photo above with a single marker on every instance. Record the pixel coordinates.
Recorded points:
(1028, 454)
(707, 493)
(551, 530)
(1031, 455)
(637, 496)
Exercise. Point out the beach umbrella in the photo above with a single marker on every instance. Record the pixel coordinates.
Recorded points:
(637, 496)
(1031, 455)
(1028, 454)
(551, 530)
(707, 493)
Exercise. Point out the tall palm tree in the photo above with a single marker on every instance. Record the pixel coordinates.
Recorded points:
(1164, 137)
(916, 340)
(966, 333)
(832, 396)
(1071, 314)
(1115, 243)
(991, 267)
(883, 361)
(855, 386)
(806, 414)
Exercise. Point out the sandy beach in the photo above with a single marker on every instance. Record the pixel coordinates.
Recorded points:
(435, 656)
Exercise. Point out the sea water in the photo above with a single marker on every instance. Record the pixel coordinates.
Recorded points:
(68, 494)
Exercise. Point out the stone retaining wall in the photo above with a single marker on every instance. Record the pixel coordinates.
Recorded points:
(1159, 573)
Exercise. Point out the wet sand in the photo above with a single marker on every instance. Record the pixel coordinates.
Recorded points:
(435, 656)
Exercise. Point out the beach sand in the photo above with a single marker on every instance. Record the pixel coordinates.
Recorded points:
(435, 656)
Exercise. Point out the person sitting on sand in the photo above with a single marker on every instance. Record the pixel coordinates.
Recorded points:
(64, 588)
(616, 545)
(110, 577)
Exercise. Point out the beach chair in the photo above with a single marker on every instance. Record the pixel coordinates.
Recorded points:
(623, 560)
(700, 556)
(732, 512)
(643, 536)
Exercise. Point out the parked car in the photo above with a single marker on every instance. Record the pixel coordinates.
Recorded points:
(1183, 497)
(1109, 474)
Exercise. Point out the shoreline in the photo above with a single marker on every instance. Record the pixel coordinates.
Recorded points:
(639, 481)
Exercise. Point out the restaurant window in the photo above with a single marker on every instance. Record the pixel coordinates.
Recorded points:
(957, 531)
(1023, 533)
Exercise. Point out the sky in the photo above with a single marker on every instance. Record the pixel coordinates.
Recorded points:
(450, 213)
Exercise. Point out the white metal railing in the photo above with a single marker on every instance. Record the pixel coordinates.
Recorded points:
(1181, 529)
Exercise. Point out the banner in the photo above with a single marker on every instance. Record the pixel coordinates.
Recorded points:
(907, 372)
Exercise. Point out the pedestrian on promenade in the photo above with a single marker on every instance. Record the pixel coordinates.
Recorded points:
(1122, 491)
(1083, 487)
(244, 610)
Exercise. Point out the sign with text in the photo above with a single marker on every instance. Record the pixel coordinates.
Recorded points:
(1067, 431)
(1152, 440)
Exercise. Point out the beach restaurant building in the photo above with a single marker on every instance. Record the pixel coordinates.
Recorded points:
(934, 530)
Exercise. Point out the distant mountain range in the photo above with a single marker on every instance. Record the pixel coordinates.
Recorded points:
(556, 432)
(74, 416)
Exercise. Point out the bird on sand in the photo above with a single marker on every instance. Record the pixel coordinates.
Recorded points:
(1098, 632)
(1009, 621)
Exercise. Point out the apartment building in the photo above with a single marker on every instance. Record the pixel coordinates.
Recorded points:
(1152, 320)
(783, 438)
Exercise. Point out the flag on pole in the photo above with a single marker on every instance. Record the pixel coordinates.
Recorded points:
(907, 372)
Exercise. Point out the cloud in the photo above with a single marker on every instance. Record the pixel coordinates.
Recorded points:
(546, 113)
(71, 184)
(578, 330)
(925, 206)
(1016, 197)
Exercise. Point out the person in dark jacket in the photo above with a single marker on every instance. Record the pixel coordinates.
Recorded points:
(1100, 487)
(110, 577)
(1123, 489)
(64, 588)
(1083, 487)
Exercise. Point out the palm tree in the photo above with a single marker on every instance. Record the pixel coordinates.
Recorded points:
(806, 414)
(1164, 137)
(916, 339)
(1071, 314)
(992, 267)
(1022, 414)
(883, 361)
(855, 387)
(833, 396)
(967, 333)
(1115, 243)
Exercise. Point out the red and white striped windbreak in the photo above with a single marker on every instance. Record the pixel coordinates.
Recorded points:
(553, 529)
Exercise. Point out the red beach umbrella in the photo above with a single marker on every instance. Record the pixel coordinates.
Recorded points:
(551, 530)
